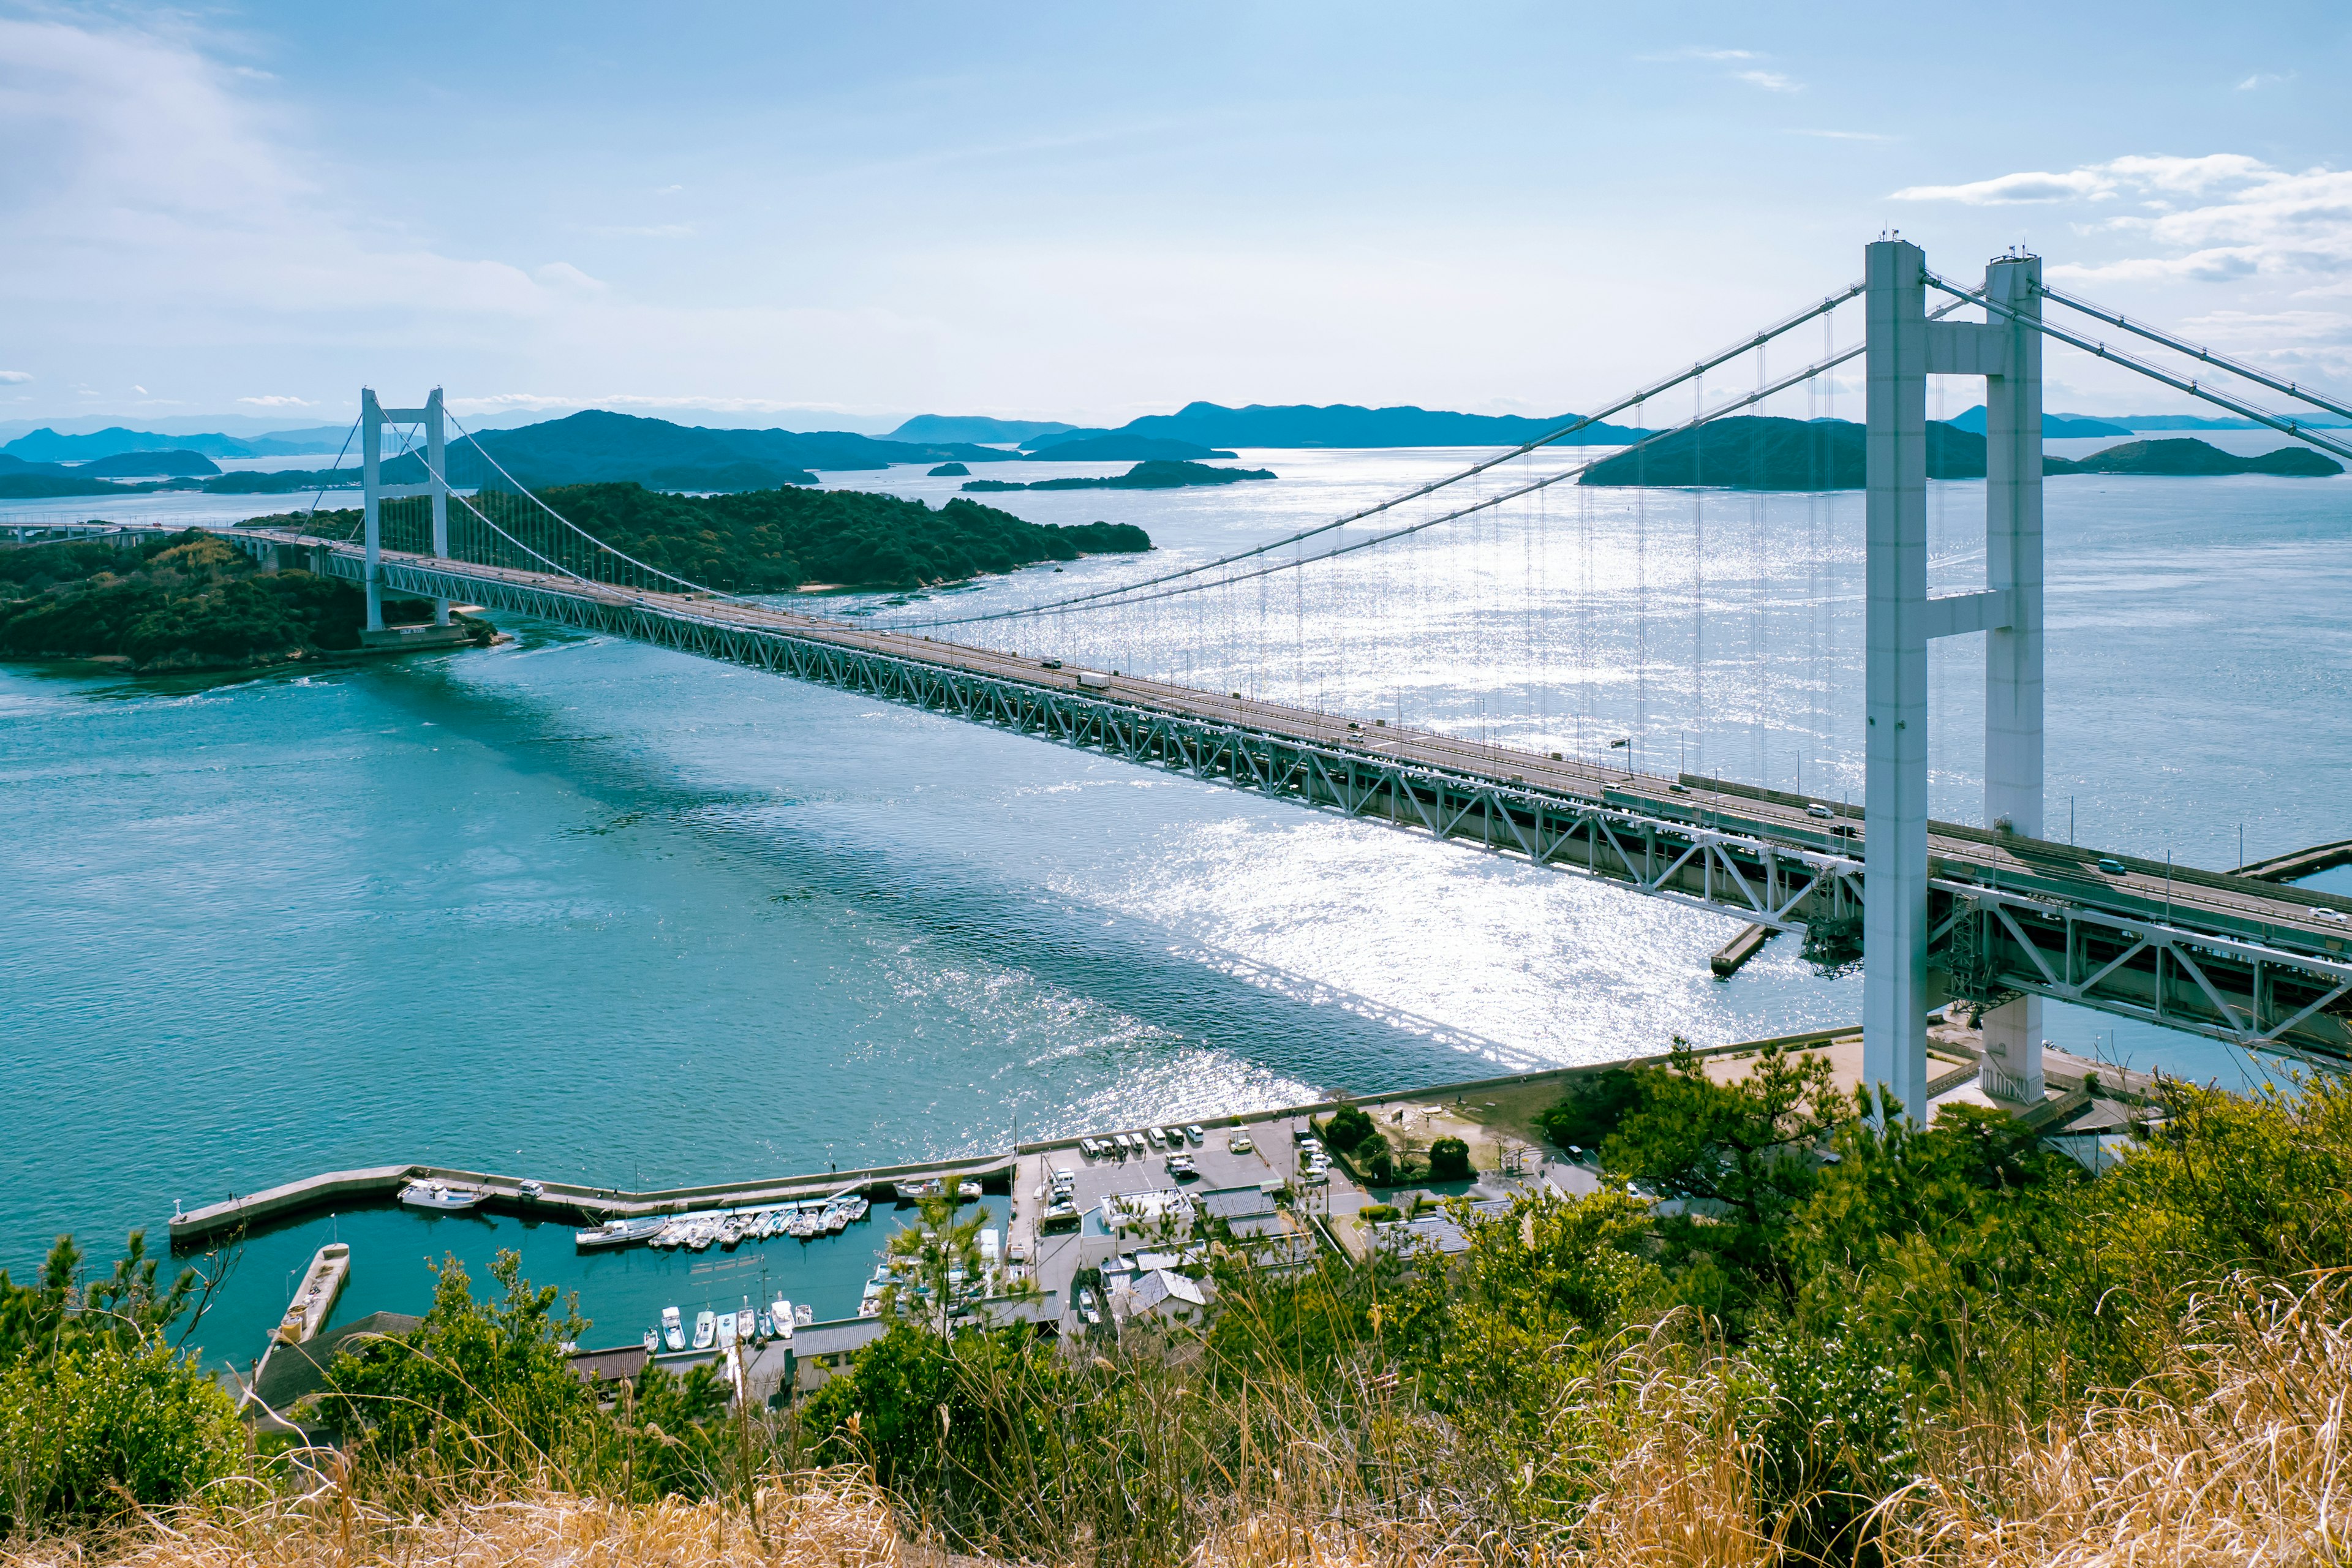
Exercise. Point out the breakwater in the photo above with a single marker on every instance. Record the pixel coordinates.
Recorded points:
(193, 1229)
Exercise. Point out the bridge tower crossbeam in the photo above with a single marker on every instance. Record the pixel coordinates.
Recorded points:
(1905, 348)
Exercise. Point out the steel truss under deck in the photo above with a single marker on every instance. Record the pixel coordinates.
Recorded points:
(1990, 943)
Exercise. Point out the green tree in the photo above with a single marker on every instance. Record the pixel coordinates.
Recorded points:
(478, 1392)
(1740, 1158)
(1449, 1161)
(97, 1411)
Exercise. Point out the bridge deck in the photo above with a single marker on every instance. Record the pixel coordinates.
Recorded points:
(1995, 859)
(2227, 955)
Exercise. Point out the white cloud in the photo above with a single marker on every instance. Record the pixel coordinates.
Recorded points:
(2212, 218)
(139, 390)
(2262, 79)
(1770, 82)
(14, 377)
(274, 400)
(2012, 188)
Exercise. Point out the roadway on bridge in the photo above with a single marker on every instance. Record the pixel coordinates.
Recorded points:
(2241, 905)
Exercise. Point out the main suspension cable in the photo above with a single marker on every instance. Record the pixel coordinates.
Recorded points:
(2195, 351)
(1773, 389)
(2278, 421)
(475, 442)
(1821, 308)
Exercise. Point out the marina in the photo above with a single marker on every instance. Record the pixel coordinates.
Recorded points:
(1053, 1208)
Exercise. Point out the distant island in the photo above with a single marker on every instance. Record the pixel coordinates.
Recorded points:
(948, 472)
(2054, 426)
(1758, 453)
(45, 446)
(2182, 455)
(1146, 475)
(1349, 424)
(173, 463)
(595, 448)
(1766, 454)
(1119, 447)
(779, 540)
(978, 427)
(186, 601)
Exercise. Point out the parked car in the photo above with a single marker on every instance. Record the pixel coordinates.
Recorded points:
(1239, 1143)
(1192, 1130)
(1159, 1139)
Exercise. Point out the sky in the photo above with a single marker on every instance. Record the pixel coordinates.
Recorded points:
(827, 216)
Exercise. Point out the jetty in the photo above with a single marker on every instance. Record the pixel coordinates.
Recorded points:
(193, 1229)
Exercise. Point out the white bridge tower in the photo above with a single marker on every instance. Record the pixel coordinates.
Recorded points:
(374, 417)
(1905, 348)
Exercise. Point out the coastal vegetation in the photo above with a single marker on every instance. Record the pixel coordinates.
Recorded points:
(184, 601)
(1786, 1330)
(777, 540)
(1153, 475)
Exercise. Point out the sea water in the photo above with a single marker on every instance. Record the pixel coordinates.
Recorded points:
(586, 911)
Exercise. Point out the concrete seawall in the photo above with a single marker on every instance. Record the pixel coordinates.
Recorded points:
(377, 1184)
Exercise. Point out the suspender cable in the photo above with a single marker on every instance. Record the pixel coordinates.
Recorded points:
(1852, 292)
(1106, 601)
(2278, 421)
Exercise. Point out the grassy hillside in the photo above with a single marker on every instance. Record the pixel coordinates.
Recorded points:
(1944, 1346)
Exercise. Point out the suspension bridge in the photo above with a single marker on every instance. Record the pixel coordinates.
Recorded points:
(2002, 916)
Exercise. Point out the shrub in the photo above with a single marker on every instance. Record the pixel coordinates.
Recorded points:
(1347, 1128)
(1449, 1161)
(98, 1411)
(1592, 1106)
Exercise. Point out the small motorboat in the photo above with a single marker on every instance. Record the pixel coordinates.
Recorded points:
(780, 1314)
(706, 1324)
(441, 1196)
(653, 1340)
(804, 1314)
(730, 1231)
(619, 1233)
(767, 1326)
(726, 1330)
(673, 1332)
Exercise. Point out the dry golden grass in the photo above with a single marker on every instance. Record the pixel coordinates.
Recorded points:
(2238, 1457)
(825, 1520)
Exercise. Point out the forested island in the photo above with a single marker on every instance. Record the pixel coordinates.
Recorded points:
(779, 541)
(2187, 455)
(184, 601)
(1767, 454)
(1146, 476)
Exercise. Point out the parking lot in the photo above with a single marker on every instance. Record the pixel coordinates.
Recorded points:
(1272, 1154)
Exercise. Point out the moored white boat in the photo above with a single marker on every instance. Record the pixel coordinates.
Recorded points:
(705, 1325)
(673, 1331)
(619, 1233)
(441, 1196)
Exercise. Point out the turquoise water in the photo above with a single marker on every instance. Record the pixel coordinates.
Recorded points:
(586, 911)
